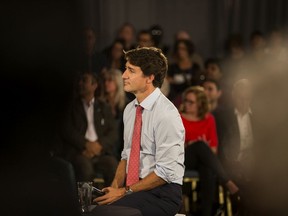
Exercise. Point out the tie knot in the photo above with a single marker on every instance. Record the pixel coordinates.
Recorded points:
(139, 109)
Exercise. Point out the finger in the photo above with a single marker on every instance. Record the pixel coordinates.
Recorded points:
(101, 198)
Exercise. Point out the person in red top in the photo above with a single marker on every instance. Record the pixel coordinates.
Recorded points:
(201, 145)
(199, 123)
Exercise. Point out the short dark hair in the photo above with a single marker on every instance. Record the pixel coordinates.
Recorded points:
(212, 61)
(256, 33)
(94, 77)
(151, 60)
(189, 45)
(216, 83)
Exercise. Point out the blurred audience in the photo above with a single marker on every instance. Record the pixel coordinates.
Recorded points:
(89, 133)
(92, 60)
(201, 145)
(184, 72)
(258, 46)
(127, 33)
(145, 39)
(213, 92)
(236, 134)
(196, 57)
(115, 56)
(115, 96)
(157, 36)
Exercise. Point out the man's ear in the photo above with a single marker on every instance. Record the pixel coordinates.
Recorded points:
(150, 79)
(95, 85)
(219, 93)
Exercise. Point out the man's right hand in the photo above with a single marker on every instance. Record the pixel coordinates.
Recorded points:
(92, 149)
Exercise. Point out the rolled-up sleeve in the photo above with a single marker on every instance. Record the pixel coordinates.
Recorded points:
(170, 137)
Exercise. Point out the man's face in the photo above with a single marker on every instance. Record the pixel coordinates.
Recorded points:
(213, 71)
(90, 39)
(145, 40)
(211, 91)
(134, 80)
(242, 99)
(86, 85)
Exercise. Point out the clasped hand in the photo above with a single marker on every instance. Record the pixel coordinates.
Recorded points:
(111, 195)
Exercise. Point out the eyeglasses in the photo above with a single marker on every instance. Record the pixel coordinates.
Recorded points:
(189, 102)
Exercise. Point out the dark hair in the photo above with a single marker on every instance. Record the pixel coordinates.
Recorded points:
(144, 31)
(234, 40)
(157, 34)
(151, 60)
(256, 33)
(217, 84)
(187, 43)
(212, 61)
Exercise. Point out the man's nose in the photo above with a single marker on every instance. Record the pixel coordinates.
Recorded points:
(124, 75)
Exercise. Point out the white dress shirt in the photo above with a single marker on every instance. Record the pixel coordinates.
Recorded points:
(91, 133)
(246, 134)
(162, 137)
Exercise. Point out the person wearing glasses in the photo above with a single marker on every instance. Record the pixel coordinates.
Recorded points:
(201, 145)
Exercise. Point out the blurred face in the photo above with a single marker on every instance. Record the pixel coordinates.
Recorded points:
(134, 80)
(242, 99)
(257, 42)
(86, 85)
(127, 33)
(145, 40)
(213, 71)
(90, 39)
(190, 104)
(110, 85)
(213, 94)
(182, 35)
(182, 50)
(117, 51)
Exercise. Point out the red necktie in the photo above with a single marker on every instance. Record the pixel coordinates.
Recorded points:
(134, 160)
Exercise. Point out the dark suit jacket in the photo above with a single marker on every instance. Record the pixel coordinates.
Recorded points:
(228, 134)
(75, 126)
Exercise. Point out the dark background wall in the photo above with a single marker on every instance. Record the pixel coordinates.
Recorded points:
(208, 21)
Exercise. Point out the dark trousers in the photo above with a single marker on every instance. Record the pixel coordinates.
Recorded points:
(86, 168)
(164, 200)
(198, 156)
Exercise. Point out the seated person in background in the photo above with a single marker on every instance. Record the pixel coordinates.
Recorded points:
(127, 33)
(213, 69)
(152, 163)
(91, 59)
(183, 72)
(145, 39)
(213, 93)
(198, 121)
(115, 56)
(236, 135)
(89, 133)
(115, 96)
(196, 57)
(157, 33)
(201, 142)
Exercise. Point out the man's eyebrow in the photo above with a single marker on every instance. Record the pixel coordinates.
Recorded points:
(130, 68)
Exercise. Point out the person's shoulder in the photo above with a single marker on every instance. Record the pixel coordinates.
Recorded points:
(166, 106)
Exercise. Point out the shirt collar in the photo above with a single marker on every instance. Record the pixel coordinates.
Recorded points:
(91, 102)
(239, 114)
(149, 101)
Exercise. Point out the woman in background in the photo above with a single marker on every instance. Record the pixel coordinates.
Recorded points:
(201, 145)
(115, 96)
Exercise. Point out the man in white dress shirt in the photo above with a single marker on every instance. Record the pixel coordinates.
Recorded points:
(157, 191)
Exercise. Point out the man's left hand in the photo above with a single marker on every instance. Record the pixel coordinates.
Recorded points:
(112, 194)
